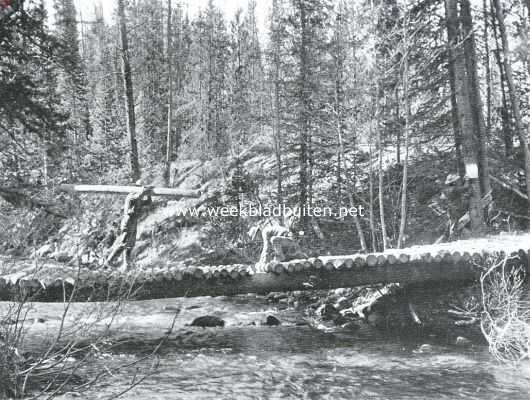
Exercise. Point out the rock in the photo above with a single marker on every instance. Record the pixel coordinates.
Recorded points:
(275, 297)
(340, 320)
(272, 321)
(341, 292)
(208, 321)
(171, 308)
(351, 325)
(40, 320)
(462, 341)
(327, 312)
(374, 318)
(61, 256)
(343, 302)
(424, 348)
(44, 250)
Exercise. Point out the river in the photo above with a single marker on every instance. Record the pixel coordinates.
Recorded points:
(248, 360)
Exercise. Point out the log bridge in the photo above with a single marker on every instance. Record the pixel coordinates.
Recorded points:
(454, 261)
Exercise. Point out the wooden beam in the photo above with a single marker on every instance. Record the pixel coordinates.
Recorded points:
(109, 189)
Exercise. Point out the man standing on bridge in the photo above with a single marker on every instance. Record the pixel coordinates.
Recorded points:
(132, 210)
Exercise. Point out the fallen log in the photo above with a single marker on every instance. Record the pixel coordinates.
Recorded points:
(109, 189)
(510, 187)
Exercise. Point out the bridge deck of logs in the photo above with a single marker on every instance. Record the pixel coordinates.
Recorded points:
(42, 280)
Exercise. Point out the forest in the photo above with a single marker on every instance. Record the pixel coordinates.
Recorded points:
(375, 103)
(415, 111)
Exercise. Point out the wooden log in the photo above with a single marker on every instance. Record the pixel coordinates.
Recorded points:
(456, 257)
(371, 260)
(109, 189)
(329, 266)
(197, 273)
(403, 258)
(332, 274)
(427, 257)
(278, 268)
(225, 271)
(216, 272)
(298, 266)
(381, 259)
(234, 273)
(391, 259)
(360, 261)
(291, 268)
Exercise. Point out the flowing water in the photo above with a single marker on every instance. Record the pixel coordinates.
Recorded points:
(247, 360)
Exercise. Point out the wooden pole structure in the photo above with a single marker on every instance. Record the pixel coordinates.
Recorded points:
(107, 189)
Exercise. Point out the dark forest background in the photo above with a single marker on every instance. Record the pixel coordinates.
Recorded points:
(379, 103)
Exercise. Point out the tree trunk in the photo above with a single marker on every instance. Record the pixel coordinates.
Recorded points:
(513, 96)
(169, 55)
(398, 131)
(479, 130)
(403, 219)
(381, 179)
(304, 117)
(507, 135)
(371, 205)
(276, 111)
(465, 117)
(341, 158)
(129, 94)
(488, 69)
(452, 36)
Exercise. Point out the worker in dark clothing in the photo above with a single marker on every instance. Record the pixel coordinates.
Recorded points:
(132, 210)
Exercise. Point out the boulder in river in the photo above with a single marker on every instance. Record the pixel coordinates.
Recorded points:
(462, 341)
(327, 312)
(272, 321)
(171, 308)
(208, 321)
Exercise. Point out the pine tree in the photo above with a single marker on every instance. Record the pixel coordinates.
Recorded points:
(72, 80)
(31, 117)
(129, 93)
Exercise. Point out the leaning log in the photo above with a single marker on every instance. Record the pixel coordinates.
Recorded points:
(109, 189)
